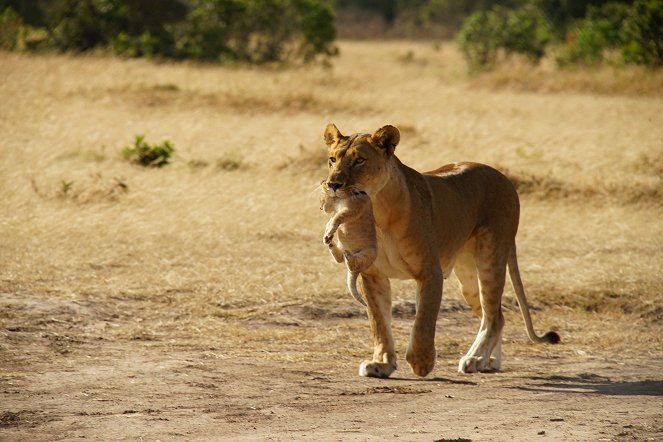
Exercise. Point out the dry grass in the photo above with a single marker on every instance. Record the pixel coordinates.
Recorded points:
(518, 75)
(223, 245)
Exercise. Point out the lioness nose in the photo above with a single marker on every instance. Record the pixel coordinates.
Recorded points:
(333, 185)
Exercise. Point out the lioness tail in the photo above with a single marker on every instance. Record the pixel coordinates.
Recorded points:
(551, 337)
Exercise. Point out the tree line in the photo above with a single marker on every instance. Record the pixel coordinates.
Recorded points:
(253, 31)
(586, 32)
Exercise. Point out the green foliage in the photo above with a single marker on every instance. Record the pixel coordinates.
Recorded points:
(144, 154)
(635, 32)
(521, 31)
(255, 31)
(642, 34)
(478, 40)
(585, 46)
(65, 187)
(525, 32)
(10, 29)
(600, 31)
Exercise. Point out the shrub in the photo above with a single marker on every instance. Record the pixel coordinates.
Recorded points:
(585, 46)
(519, 31)
(642, 33)
(598, 32)
(635, 32)
(10, 29)
(478, 41)
(148, 155)
(525, 32)
(254, 31)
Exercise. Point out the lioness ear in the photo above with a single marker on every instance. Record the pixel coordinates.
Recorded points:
(332, 134)
(387, 137)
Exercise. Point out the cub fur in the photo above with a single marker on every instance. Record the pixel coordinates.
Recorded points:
(352, 217)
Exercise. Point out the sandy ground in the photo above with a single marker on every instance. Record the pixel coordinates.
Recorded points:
(59, 385)
(196, 302)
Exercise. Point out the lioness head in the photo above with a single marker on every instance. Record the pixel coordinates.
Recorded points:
(359, 161)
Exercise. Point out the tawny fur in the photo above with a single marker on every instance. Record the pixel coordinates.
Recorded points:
(352, 217)
(462, 217)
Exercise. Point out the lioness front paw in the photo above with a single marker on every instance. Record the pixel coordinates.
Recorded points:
(376, 369)
(421, 364)
(474, 364)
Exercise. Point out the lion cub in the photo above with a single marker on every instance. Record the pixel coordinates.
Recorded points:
(353, 219)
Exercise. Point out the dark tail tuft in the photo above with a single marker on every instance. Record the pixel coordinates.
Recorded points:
(551, 338)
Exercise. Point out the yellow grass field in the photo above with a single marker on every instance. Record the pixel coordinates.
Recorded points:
(197, 302)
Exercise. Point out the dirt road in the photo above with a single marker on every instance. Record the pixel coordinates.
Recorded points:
(65, 379)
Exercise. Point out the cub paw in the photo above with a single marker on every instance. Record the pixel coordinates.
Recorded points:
(376, 369)
(327, 239)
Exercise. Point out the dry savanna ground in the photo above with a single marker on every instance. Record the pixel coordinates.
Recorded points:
(196, 301)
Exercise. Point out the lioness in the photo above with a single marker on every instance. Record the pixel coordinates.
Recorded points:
(353, 219)
(461, 217)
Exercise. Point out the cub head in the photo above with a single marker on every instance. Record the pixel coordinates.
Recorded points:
(359, 161)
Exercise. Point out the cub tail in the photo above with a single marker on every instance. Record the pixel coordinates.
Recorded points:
(352, 286)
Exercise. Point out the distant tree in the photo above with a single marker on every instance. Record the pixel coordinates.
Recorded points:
(246, 30)
(642, 33)
(386, 9)
(485, 34)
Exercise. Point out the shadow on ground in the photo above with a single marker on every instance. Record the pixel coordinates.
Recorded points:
(588, 383)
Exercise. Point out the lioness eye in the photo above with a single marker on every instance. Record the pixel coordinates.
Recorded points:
(359, 161)
(332, 159)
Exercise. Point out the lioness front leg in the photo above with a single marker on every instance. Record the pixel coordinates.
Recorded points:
(421, 349)
(377, 292)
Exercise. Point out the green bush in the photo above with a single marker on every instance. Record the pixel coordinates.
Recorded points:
(525, 32)
(485, 34)
(254, 31)
(642, 34)
(144, 154)
(585, 46)
(478, 41)
(635, 32)
(590, 38)
(10, 29)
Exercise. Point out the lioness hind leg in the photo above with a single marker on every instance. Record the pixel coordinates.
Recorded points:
(495, 362)
(491, 266)
(466, 273)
